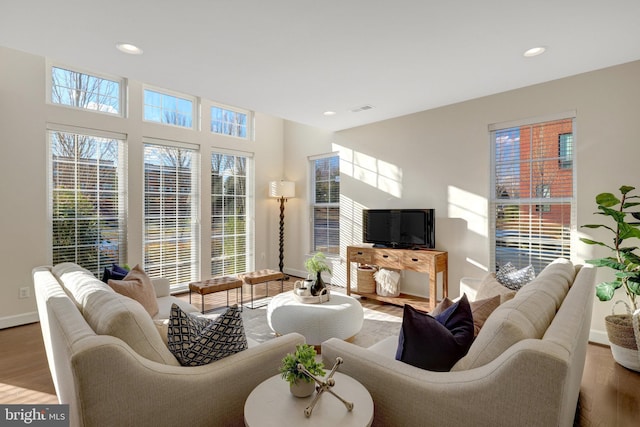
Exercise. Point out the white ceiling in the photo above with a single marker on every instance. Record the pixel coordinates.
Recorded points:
(296, 59)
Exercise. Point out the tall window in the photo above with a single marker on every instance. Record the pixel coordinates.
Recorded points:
(231, 244)
(533, 206)
(163, 107)
(325, 186)
(87, 194)
(86, 91)
(225, 121)
(171, 200)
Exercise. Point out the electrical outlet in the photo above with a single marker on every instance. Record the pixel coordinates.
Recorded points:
(24, 292)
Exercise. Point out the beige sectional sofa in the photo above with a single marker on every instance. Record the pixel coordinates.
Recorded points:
(523, 369)
(110, 364)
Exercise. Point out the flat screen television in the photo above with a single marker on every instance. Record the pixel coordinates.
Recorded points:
(399, 228)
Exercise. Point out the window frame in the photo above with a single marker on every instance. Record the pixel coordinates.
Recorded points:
(328, 205)
(194, 218)
(249, 198)
(122, 91)
(498, 204)
(249, 126)
(195, 105)
(121, 190)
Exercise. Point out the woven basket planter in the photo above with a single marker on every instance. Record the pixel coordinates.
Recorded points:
(620, 330)
(366, 282)
(623, 338)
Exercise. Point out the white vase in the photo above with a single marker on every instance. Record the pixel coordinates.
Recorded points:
(301, 388)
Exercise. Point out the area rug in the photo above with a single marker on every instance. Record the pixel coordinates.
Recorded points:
(380, 321)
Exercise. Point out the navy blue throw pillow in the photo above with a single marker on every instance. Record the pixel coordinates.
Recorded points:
(115, 272)
(435, 343)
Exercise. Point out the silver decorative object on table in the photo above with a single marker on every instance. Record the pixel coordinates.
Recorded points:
(324, 385)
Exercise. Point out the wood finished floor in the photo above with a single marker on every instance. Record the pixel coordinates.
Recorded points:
(609, 394)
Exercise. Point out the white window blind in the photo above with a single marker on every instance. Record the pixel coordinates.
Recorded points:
(533, 205)
(231, 201)
(171, 199)
(325, 185)
(87, 195)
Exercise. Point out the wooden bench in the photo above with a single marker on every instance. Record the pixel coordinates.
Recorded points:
(216, 284)
(262, 276)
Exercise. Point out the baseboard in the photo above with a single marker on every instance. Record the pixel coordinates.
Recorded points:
(598, 337)
(295, 273)
(20, 319)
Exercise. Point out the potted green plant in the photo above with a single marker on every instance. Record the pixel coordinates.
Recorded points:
(301, 385)
(625, 262)
(315, 265)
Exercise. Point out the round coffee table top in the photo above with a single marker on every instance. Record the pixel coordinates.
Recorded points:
(272, 404)
(341, 317)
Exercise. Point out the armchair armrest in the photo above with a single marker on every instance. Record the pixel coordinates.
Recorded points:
(406, 395)
(161, 286)
(110, 375)
(469, 286)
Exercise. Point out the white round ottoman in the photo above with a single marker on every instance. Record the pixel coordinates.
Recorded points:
(340, 317)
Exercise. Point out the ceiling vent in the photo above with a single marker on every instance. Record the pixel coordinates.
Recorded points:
(361, 108)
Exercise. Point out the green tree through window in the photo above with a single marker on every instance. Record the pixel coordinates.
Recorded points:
(230, 234)
(326, 204)
(88, 225)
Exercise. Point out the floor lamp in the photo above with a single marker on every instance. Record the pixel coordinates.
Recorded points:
(282, 190)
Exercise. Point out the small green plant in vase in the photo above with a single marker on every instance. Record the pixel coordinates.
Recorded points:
(315, 266)
(301, 384)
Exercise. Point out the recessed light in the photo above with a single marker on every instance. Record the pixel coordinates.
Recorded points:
(535, 51)
(129, 48)
(329, 113)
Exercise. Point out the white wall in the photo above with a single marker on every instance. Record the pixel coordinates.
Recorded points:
(441, 159)
(438, 158)
(301, 142)
(24, 229)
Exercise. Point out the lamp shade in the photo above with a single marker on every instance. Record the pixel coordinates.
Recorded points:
(285, 189)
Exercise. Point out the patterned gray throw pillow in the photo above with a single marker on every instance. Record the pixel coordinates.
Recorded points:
(196, 341)
(512, 278)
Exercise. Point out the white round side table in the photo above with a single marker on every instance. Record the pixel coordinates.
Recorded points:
(272, 404)
(340, 317)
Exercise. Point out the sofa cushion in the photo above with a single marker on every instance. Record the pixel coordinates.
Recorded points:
(78, 282)
(196, 341)
(109, 313)
(555, 281)
(490, 287)
(527, 315)
(137, 285)
(162, 325)
(165, 303)
(513, 321)
(435, 343)
(480, 310)
(509, 276)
